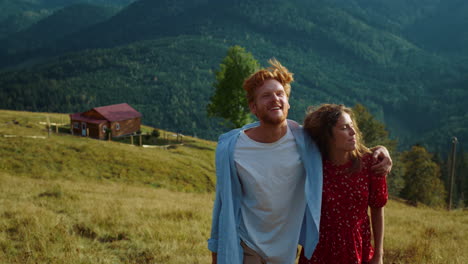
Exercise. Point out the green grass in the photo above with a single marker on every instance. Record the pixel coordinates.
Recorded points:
(188, 167)
(67, 199)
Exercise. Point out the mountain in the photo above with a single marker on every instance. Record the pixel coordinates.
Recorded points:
(161, 56)
(390, 15)
(14, 7)
(20, 21)
(309, 24)
(443, 30)
(435, 25)
(17, 15)
(61, 23)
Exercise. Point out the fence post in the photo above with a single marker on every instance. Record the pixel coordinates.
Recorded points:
(131, 139)
(48, 126)
(452, 171)
(141, 143)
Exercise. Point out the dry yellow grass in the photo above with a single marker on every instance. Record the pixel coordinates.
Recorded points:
(67, 199)
(425, 235)
(63, 201)
(61, 221)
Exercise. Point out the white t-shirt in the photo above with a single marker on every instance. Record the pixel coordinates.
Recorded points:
(273, 203)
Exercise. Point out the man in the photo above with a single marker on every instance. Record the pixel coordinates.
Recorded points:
(269, 180)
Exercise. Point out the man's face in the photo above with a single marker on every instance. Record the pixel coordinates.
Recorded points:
(271, 103)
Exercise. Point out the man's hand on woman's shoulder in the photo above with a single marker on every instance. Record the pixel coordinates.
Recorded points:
(384, 165)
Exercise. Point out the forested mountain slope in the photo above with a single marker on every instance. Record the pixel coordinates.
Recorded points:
(61, 23)
(18, 15)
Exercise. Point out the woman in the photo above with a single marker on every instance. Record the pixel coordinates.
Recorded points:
(349, 188)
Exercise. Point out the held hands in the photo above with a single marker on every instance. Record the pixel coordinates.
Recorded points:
(384, 166)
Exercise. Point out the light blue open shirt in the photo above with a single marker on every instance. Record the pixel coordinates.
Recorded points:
(225, 238)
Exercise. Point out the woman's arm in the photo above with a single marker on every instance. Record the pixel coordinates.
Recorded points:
(377, 218)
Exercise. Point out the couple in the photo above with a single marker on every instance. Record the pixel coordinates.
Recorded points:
(269, 184)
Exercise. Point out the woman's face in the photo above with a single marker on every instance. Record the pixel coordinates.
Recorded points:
(343, 134)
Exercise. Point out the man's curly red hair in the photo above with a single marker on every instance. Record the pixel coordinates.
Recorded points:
(275, 71)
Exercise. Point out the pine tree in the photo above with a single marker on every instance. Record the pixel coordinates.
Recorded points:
(374, 132)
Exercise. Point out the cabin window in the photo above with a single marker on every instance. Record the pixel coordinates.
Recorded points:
(76, 125)
(117, 126)
(104, 128)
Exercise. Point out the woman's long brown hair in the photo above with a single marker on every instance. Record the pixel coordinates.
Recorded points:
(319, 123)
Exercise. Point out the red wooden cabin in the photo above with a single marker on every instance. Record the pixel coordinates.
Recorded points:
(121, 119)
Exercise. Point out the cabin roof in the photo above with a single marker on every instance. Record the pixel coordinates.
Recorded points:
(117, 112)
(111, 113)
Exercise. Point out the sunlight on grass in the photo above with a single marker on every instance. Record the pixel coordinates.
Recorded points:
(425, 235)
(60, 221)
(188, 167)
(68, 199)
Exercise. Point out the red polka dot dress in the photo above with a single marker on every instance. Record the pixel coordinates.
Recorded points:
(345, 233)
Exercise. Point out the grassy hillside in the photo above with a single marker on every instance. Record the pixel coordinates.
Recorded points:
(67, 199)
(81, 221)
(187, 167)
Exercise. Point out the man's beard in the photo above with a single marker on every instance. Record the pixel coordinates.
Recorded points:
(267, 119)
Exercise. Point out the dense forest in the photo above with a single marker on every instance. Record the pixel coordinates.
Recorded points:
(18, 15)
(160, 56)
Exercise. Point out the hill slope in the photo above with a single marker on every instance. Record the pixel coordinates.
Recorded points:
(68, 199)
(187, 167)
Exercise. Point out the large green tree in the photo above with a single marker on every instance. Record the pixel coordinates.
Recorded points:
(422, 178)
(229, 101)
(374, 133)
